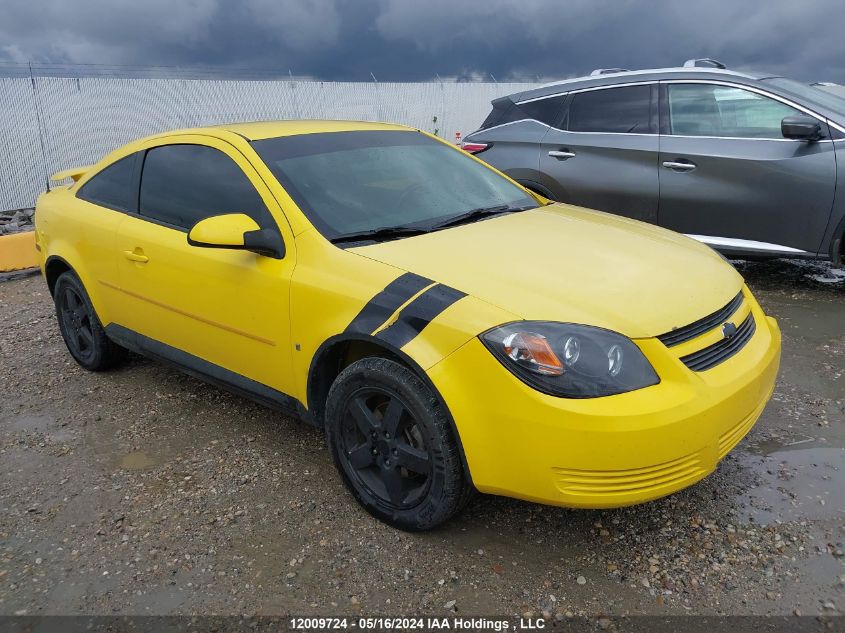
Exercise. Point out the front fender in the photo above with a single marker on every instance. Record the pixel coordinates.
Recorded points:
(335, 292)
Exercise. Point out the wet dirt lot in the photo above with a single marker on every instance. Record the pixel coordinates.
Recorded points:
(143, 491)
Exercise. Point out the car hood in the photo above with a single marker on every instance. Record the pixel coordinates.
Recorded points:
(568, 264)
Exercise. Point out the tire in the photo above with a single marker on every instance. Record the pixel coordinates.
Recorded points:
(393, 444)
(81, 329)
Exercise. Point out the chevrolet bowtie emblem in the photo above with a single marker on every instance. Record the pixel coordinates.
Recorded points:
(729, 330)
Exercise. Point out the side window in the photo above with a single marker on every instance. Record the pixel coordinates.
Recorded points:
(112, 187)
(625, 110)
(546, 110)
(182, 184)
(712, 110)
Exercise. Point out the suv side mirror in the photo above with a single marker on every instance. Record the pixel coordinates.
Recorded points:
(801, 127)
(236, 231)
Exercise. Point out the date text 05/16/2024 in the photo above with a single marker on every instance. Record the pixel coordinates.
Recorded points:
(415, 623)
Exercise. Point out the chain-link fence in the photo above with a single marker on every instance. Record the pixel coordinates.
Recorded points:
(50, 123)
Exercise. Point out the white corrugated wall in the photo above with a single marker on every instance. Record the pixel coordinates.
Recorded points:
(51, 123)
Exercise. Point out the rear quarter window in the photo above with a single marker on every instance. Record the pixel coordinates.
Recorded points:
(113, 187)
(548, 110)
(504, 111)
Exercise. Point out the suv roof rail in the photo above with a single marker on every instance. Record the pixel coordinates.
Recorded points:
(692, 63)
(608, 71)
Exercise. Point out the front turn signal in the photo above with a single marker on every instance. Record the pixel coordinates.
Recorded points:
(533, 352)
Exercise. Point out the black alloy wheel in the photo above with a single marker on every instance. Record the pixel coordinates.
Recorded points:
(384, 447)
(394, 445)
(76, 323)
(80, 327)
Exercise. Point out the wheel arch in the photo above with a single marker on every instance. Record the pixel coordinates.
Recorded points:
(536, 187)
(54, 267)
(71, 261)
(339, 352)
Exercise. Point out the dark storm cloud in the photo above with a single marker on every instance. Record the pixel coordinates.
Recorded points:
(408, 40)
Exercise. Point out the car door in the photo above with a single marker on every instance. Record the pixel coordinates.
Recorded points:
(227, 308)
(90, 226)
(605, 155)
(730, 177)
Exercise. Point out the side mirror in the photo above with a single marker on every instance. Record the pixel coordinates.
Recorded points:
(236, 231)
(801, 127)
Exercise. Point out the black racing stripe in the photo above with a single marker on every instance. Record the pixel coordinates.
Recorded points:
(386, 302)
(420, 312)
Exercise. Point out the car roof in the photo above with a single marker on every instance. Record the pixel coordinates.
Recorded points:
(258, 130)
(629, 76)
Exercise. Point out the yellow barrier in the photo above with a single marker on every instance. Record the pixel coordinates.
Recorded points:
(17, 251)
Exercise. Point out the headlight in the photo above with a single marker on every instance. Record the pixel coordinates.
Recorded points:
(571, 361)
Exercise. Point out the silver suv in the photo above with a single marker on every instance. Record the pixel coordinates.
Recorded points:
(744, 162)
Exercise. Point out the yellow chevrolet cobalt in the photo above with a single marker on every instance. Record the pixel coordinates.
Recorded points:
(450, 330)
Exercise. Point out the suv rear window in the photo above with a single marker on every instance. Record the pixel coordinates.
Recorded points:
(548, 110)
(624, 110)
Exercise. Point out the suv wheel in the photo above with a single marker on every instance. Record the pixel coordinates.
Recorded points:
(393, 444)
(81, 329)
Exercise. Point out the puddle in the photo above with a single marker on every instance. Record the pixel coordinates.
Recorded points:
(814, 343)
(813, 321)
(795, 484)
(136, 460)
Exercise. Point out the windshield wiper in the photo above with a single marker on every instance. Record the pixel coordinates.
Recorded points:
(394, 232)
(477, 214)
(380, 234)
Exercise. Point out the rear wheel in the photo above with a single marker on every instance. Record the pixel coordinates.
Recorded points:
(81, 329)
(393, 444)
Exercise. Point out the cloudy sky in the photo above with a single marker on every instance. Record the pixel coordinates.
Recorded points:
(408, 40)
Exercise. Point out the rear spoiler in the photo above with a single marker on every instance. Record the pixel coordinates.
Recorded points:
(74, 173)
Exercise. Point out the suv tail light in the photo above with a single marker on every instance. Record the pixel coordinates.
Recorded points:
(474, 148)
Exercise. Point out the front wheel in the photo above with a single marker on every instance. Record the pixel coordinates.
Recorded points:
(393, 444)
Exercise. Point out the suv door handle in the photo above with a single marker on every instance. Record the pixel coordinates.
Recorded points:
(676, 166)
(562, 154)
(136, 256)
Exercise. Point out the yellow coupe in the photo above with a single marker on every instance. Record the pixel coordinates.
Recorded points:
(450, 330)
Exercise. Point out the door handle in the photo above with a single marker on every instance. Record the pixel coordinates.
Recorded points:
(562, 154)
(676, 166)
(136, 256)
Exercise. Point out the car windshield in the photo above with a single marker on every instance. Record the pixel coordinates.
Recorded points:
(349, 183)
(816, 94)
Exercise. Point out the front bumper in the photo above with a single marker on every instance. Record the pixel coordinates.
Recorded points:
(612, 451)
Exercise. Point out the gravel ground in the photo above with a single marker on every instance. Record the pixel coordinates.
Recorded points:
(143, 491)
